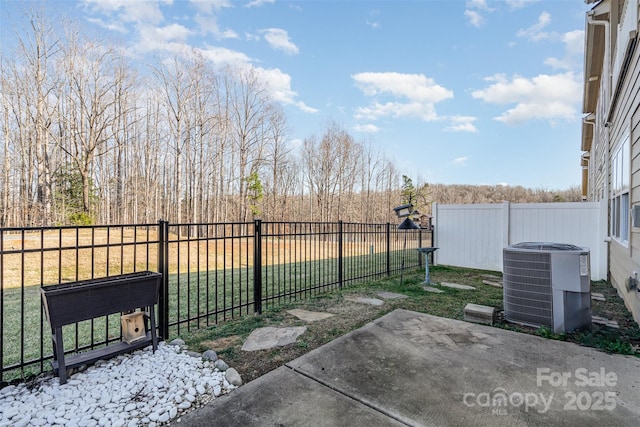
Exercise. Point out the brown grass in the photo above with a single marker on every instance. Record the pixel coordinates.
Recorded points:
(52, 256)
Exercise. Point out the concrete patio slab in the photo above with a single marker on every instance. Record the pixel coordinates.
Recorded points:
(284, 398)
(436, 371)
(421, 370)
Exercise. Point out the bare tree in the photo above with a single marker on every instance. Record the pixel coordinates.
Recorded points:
(88, 110)
(330, 166)
(249, 104)
(28, 84)
(279, 166)
(177, 91)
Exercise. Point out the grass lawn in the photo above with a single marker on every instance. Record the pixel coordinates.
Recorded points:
(227, 338)
(196, 300)
(226, 332)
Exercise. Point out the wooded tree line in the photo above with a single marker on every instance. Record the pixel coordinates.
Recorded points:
(89, 136)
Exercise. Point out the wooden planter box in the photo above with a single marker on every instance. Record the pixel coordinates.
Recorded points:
(70, 303)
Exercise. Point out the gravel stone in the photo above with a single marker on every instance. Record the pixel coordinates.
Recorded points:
(210, 355)
(128, 390)
(233, 377)
(221, 365)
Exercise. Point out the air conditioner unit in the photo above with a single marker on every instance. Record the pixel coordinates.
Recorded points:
(547, 284)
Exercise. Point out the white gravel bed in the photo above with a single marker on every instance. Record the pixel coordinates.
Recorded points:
(138, 389)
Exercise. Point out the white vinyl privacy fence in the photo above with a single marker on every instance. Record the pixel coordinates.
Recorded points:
(473, 236)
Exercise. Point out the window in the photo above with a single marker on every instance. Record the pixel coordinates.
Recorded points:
(620, 166)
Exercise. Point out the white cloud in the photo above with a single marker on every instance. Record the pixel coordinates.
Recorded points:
(376, 111)
(152, 38)
(544, 97)
(229, 34)
(474, 18)
(146, 15)
(478, 4)
(222, 56)
(573, 43)
(279, 85)
(535, 32)
(208, 7)
(474, 10)
(369, 128)
(418, 93)
(112, 26)
(258, 3)
(460, 161)
(519, 4)
(130, 11)
(279, 40)
(207, 19)
(209, 24)
(574, 49)
(462, 124)
(373, 20)
(416, 87)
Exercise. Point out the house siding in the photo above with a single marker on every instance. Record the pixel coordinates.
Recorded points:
(625, 260)
(609, 130)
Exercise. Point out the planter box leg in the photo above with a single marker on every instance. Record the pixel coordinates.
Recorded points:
(152, 320)
(58, 355)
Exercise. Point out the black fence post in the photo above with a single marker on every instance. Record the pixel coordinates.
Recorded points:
(257, 266)
(163, 268)
(388, 233)
(340, 255)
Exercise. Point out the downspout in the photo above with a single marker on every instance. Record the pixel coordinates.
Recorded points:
(607, 73)
(587, 155)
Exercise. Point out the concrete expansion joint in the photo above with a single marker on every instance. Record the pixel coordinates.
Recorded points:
(397, 417)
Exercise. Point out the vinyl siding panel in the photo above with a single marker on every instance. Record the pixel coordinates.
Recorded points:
(623, 261)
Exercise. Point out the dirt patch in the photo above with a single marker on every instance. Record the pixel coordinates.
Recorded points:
(222, 343)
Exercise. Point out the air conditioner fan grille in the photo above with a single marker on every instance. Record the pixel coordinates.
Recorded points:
(528, 296)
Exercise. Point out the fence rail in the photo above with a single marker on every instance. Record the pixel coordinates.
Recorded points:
(211, 273)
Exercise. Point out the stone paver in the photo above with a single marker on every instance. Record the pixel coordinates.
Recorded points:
(363, 300)
(457, 286)
(604, 321)
(391, 295)
(432, 289)
(265, 338)
(477, 313)
(309, 316)
(492, 283)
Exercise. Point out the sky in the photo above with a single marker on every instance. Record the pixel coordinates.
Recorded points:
(455, 92)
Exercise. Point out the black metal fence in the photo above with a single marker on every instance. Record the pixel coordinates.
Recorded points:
(211, 273)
